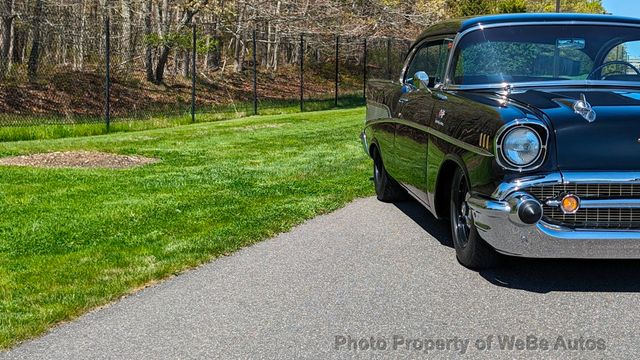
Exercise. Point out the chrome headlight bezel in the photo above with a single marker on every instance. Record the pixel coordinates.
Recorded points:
(521, 135)
(538, 127)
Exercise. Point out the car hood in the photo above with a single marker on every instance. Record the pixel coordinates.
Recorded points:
(610, 142)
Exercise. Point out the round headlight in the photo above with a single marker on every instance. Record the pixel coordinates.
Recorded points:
(521, 146)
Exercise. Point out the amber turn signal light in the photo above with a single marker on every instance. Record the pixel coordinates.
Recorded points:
(570, 204)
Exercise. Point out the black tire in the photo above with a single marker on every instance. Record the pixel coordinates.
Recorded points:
(472, 251)
(387, 189)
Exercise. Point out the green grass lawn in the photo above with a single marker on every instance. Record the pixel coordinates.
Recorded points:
(74, 239)
(51, 129)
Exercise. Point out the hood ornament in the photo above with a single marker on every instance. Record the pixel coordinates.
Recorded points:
(584, 109)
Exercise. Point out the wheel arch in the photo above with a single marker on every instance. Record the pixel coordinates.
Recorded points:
(443, 184)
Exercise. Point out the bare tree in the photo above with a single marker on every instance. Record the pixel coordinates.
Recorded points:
(6, 40)
(148, 30)
(34, 57)
(188, 12)
(127, 29)
(239, 38)
(80, 46)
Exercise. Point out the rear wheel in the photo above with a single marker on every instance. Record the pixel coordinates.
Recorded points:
(472, 251)
(387, 189)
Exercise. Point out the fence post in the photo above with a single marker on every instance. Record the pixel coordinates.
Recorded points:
(337, 67)
(302, 72)
(107, 85)
(255, 75)
(366, 65)
(388, 58)
(193, 73)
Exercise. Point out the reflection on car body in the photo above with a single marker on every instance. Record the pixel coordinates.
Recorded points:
(522, 130)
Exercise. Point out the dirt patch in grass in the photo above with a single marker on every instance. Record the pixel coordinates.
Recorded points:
(78, 159)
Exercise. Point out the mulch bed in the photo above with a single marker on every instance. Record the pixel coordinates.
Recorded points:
(78, 159)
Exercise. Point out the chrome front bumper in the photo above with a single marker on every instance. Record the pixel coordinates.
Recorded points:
(497, 223)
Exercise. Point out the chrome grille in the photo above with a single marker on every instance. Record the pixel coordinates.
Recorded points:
(608, 218)
(588, 191)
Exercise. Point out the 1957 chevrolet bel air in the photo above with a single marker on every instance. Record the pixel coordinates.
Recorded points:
(522, 130)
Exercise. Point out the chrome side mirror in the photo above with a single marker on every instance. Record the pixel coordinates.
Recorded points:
(421, 80)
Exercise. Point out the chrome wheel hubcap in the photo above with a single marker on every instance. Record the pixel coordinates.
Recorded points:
(464, 219)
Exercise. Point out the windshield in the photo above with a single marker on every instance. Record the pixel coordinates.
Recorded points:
(517, 54)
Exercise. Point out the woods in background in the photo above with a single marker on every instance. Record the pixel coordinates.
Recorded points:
(474, 7)
(152, 37)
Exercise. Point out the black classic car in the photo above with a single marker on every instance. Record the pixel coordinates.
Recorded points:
(523, 130)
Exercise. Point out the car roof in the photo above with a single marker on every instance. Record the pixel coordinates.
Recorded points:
(455, 26)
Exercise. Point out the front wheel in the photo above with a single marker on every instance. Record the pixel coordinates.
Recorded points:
(472, 251)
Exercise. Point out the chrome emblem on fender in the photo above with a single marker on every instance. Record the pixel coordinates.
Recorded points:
(584, 109)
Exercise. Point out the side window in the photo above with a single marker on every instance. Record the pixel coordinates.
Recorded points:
(444, 57)
(430, 58)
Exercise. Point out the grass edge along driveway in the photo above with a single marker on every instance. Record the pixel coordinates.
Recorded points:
(75, 239)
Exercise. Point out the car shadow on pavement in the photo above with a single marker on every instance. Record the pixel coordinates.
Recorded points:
(438, 229)
(547, 275)
(541, 275)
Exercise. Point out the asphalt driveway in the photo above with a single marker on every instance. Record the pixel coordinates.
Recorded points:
(370, 280)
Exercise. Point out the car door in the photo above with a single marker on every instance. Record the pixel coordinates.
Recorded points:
(415, 113)
(470, 118)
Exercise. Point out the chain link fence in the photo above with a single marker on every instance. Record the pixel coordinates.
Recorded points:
(107, 73)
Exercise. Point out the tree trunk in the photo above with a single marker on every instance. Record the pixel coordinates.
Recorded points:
(207, 56)
(102, 12)
(12, 44)
(239, 45)
(6, 39)
(18, 48)
(186, 60)
(79, 64)
(187, 17)
(276, 39)
(176, 59)
(217, 51)
(127, 14)
(162, 63)
(34, 57)
(148, 51)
